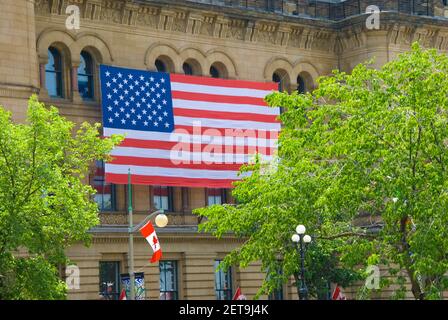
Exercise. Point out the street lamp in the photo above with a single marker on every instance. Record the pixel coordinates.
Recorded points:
(300, 238)
(161, 221)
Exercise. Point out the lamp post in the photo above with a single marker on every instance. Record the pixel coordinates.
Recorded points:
(161, 221)
(301, 238)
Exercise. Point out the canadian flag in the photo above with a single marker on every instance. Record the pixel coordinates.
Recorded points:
(149, 233)
(337, 294)
(123, 295)
(238, 295)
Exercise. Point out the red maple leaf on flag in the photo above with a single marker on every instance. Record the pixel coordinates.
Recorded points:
(149, 234)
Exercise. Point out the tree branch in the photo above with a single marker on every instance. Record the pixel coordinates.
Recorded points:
(348, 234)
(437, 142)
(8, 165)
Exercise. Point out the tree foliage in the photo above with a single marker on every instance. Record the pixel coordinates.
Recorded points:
(362, 163)
(44, 203)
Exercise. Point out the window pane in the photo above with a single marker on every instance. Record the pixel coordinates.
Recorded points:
(82, 65)
(85, 86)
(50, 64)
(214, 72)
(276, 78)
(301, 85)
(161, 198)
(168, 280)
(223, 283)
(160, 65)
(85, 76)
(214, 196)
(161, 202)
(214, 200)
(105, 192)
(53, 75)
(110, 279)
(54, 60)
(188, 70)
(51, 83)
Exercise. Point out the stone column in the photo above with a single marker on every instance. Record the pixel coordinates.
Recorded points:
(43, 92)
(185, 200)
(76, 97)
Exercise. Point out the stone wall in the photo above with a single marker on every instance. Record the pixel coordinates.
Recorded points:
(18, 63)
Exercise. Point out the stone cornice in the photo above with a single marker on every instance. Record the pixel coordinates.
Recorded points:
(206, 20)
(91, 110)
(400, 30)
(236, 27)
(11, 90)
(199, 20)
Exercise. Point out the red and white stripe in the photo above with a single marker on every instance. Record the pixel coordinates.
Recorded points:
(98, 183)
(149, 233)
(207, 147)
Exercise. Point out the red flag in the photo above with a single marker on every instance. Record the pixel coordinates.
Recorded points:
(149, 233)
(337, 294)
(123, 295)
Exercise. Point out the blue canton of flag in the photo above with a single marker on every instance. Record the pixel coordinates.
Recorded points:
(136, 99)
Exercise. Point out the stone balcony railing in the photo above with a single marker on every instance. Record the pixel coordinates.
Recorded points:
(174, 218)
(325, 9)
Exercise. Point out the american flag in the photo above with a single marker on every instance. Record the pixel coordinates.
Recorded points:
(184, 130)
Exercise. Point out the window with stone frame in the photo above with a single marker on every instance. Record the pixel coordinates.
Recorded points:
(105, 195)
(163, 198)
(85, 76)
(168, 280)
(223, 282)
(53, 73)
(109, 279)
(216, 196)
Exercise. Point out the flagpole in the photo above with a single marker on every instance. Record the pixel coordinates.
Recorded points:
(131, 241)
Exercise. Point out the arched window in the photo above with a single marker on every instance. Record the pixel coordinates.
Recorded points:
(85, 76)
(160, 65)
(214, 72)
(164, 63)
(188, 69)
(53, 73)
(277, 79)
(281, 77)
(192, 67)
(219, 70)
(301, 87)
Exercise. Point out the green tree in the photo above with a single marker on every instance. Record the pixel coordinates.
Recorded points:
(44, 204)
(362, 163)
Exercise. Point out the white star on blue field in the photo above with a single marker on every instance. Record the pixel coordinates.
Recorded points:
(136, 99)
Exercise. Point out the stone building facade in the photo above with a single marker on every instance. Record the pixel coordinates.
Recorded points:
(291, 42)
